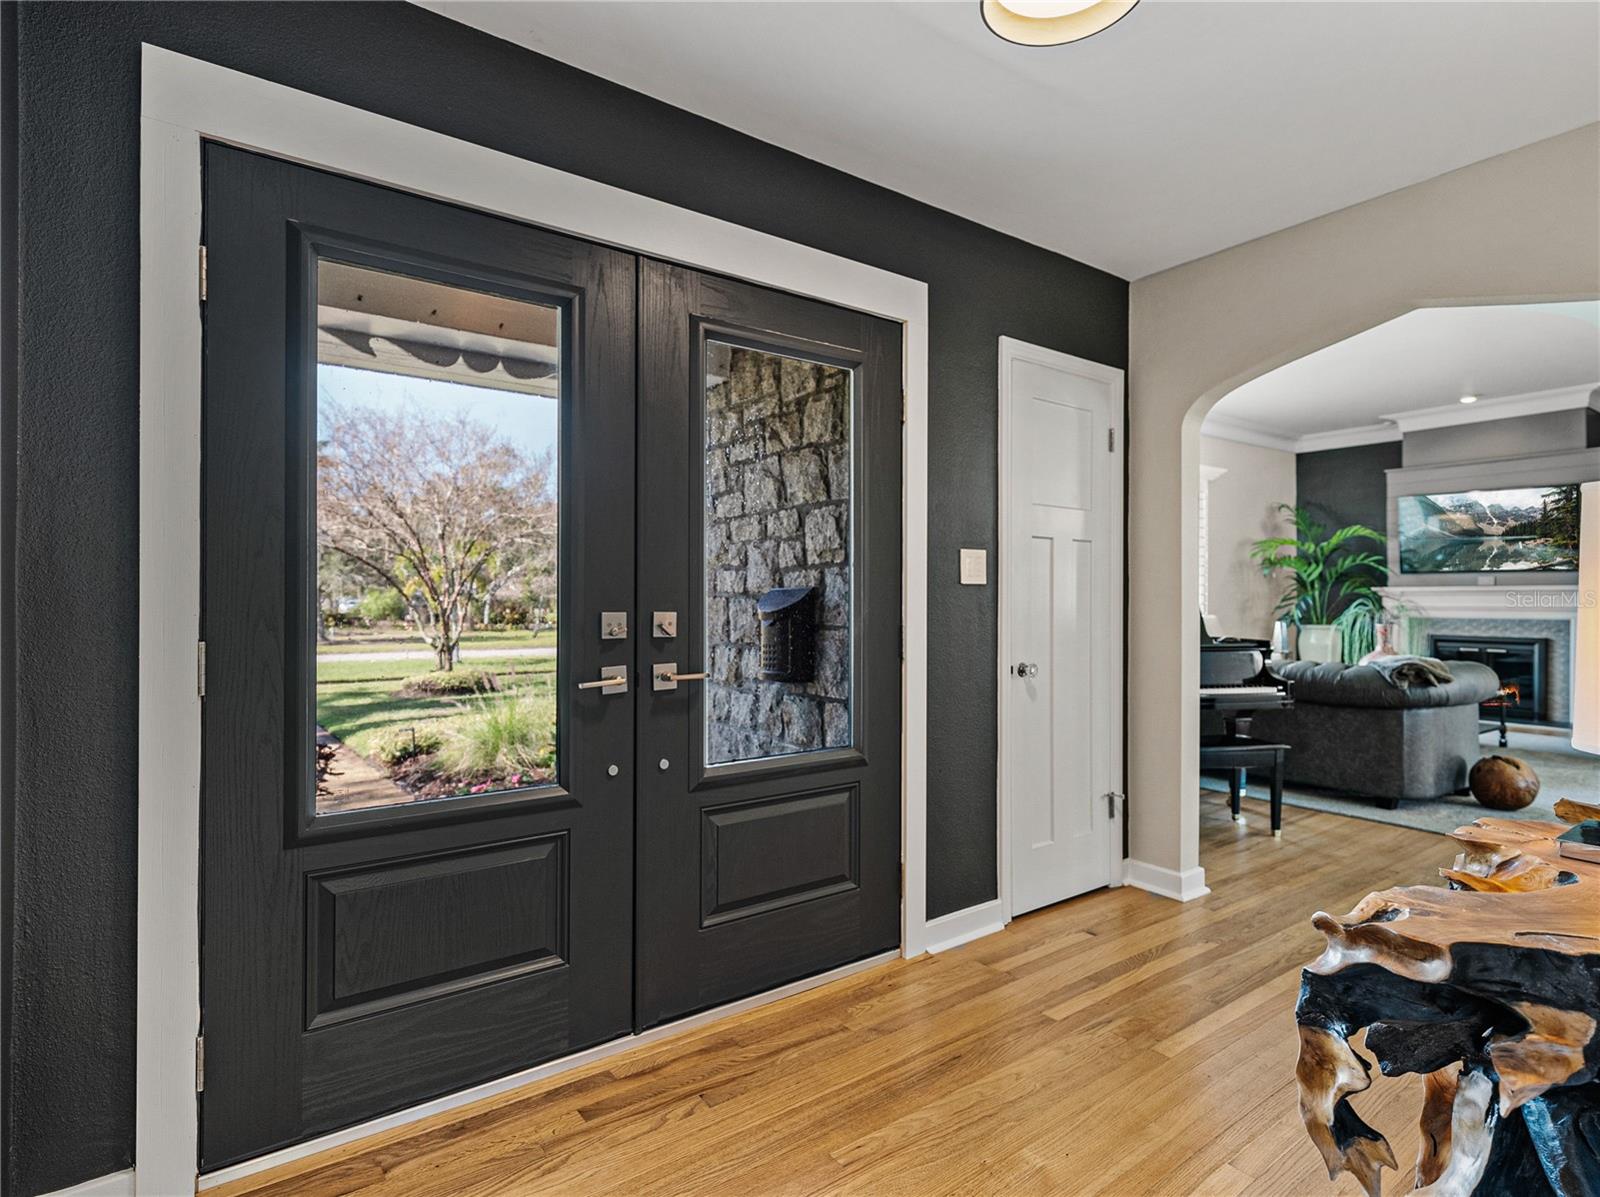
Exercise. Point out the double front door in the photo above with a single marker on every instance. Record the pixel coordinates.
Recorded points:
(551, 606)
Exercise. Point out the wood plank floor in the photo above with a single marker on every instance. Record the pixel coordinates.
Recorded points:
(1115, 1045)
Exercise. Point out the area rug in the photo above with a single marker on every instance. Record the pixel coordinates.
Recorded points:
(1563, 773)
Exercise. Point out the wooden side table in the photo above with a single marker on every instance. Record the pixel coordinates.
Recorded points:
(1491, 990)
(1504, 699)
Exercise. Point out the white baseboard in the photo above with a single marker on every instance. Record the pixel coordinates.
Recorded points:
(1167, 883)
(516, 1080)
(114, 1184)
(963, 926)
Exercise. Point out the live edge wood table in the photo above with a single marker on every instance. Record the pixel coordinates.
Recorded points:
(1491, 990)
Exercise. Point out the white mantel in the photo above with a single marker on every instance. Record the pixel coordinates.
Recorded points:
(1485, 602)
(1555, 605)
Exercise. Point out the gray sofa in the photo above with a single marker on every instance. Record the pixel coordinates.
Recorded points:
(1351, 730)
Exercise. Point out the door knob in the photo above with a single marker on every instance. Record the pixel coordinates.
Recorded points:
(1026, 670)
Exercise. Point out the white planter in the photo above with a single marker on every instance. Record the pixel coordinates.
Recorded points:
(1319, 642)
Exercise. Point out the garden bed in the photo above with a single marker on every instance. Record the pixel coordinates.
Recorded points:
(441, 734)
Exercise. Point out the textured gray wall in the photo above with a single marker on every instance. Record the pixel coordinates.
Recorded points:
(74, 506)
(1346, 486)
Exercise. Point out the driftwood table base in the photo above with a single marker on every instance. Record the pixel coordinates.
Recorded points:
(1491, 990)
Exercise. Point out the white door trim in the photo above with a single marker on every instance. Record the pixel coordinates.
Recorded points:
(1013, 350)
(186, 101)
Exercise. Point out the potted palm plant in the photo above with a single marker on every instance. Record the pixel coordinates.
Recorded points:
(1332, 585)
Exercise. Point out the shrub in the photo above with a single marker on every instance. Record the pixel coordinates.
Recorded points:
(501, 736)
(403, 744)
(449, 683)
(378, 606)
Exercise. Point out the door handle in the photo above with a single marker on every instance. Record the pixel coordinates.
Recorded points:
(666, 676)
(1024, 669)
(612, 677)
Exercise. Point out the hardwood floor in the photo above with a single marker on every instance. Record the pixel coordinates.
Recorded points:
(1117, 1045)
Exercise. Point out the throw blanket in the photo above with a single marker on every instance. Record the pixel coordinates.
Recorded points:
(1405, 672)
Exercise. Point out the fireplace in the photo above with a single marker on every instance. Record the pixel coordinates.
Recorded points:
(1519, 662)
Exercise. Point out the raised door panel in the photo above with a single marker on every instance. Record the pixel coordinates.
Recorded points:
(758, 856)
(397, 933)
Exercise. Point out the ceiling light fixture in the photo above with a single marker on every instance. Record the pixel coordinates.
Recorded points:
(1469, 398)
(1052, 22)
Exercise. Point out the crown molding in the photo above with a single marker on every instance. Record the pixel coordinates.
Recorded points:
(1453, 415)
(1243, 432)
(1346, 438)
(1246, 433)
(1393, 427)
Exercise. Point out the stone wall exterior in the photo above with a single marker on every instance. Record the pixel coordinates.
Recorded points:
(777, 514)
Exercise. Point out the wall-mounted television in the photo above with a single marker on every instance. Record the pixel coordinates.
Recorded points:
(1489, 531)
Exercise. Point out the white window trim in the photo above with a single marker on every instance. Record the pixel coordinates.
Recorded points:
(1208, 475)
(186, 101)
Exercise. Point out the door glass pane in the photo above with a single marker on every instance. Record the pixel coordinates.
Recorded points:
(436, 529)
(778, 554)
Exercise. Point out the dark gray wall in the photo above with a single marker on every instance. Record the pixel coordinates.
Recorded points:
(73, 511)
(1346, 486)
(1547, 432)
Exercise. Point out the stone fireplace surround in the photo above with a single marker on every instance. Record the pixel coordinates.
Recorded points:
(1547, 612)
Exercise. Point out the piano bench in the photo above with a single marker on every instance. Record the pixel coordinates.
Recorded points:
(1237, 755)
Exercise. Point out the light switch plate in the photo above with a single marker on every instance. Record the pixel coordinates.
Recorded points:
(974, 567)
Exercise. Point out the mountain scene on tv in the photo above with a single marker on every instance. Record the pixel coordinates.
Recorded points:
(1483, 531)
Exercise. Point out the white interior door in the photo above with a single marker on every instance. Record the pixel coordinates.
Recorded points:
(1061, 634)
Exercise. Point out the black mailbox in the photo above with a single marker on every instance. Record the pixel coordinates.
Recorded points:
(788, 634)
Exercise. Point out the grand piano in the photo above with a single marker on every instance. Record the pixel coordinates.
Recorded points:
(1235, 683)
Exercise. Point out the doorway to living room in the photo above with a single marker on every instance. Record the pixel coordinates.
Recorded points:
(1388, 527)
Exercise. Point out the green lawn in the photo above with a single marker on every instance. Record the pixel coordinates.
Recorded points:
(370, 640)
(356, 700)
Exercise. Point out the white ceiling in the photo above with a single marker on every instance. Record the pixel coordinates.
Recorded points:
(1425, 359)
(1183, 129)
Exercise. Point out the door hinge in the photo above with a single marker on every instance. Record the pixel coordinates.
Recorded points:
(1111, 805)
(1111, 440)
(200, 669)
(199, 1063)
(902, 405)
(902, 878)
(202, 274)
(902, 642)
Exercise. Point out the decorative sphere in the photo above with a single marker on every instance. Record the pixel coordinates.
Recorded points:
(1503, 783)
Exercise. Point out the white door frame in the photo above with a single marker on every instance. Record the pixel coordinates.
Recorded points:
(186, 101)
(1013, 350)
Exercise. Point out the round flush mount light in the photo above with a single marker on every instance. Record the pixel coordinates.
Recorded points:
(1052, 22)
(1469, 398)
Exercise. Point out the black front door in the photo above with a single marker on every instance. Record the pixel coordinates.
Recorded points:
(418, 451)
(542, 702)
(769, 533)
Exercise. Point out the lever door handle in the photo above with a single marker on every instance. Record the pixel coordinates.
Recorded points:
(612, 677)
(666, 676)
